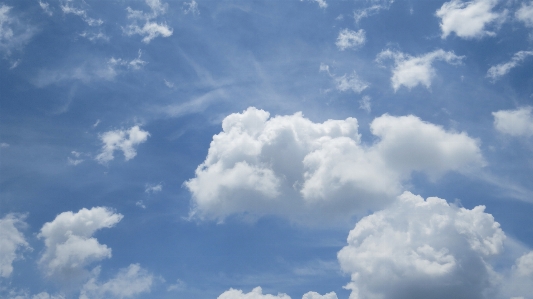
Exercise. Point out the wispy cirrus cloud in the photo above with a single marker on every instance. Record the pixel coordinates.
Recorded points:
(499, 70)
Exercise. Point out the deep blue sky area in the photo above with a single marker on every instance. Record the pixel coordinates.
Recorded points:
(203, 149)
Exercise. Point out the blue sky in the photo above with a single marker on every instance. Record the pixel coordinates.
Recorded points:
(315, 149)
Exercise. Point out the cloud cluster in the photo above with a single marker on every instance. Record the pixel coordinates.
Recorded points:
(468, 19)
(69, 242)
(411, 71)
(68, 8)
(518, 122)
(349, 39)
(150, 29)
(11, 240)
(308, 172)
(502, 69)
(14, 34)
(123, 140)
(128, 283)
(428, 249)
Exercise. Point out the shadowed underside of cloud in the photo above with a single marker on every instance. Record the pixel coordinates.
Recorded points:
(311, 172)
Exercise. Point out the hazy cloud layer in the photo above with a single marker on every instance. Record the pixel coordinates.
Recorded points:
(290, 166)
(128, 283)
(143, 23)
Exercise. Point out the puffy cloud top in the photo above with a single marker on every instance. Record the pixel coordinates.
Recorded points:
(423, 247)
(128, 283)
(123, 140)
(256, 293)
(499, 70)
(69, 243)
(350, 39)
(468, 19)
(309, 172)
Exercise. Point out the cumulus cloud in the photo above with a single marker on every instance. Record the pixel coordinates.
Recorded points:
(468, 19)
(153, 188)
(502, 69)
(14, 33)
(518, 122)
(422, 248)
(11, 241)
(411, 71)
(349, 39)
(150, 29)
(525, 14)
(256, 293)
(309, 172)
(315, 295)
(374, 8)
(123, 140)
(69, 245)
(128, 283)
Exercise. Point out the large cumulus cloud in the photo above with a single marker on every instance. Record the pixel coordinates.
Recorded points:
(309, 172)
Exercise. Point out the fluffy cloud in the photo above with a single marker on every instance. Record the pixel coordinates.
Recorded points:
(128, 283)
(69, 242)
(350, 39)
(256, 293)
(123, 140)
(516, 123)
(14, 34)
(315, 295)
(68, 8)
(468, 19)
(525, 14)
(411, 71)
(309, 172)
(346, 82)
(501, 69)
(150, 29)
(11, 239)
(422, 248)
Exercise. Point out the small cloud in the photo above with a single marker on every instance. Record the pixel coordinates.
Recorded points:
(180, 285)
(149, 29)
(134, 64)
(152, 188)
(96, 123)
(350, 39)
(123, 140)
(321, 3)
(168, 83)
(518, 122)
(525, 14)
(502, 69)
(4, 145)
(191, 8)
(378, 5)
(364, 104)
(67, 8)
(345, 82)
(92, 36)
(46, 7)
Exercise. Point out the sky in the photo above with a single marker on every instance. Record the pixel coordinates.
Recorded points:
(314, 149)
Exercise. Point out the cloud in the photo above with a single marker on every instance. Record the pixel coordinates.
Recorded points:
(516, 123)
(468, 19)
(502, 69)
(321, 3)
(69, 242)
(134, 64)
(411, 71)
(180, 285)
(365, 104)
(376, 6)
(149, 29)
(525, 14)
(421, 248)
(315, 295)
(68, 8)
(128, 283)
(14, 33)
(152, 188)
(256, 293)
(12, 240)
(45, 7)
(346, 82)
(349, 39)
(312, 172)
(191, 8)
(123, 140)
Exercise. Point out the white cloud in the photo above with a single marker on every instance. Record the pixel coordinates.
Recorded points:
(69, 242)
(149, 29)
(311, 172)
(315, 295)
(346, 82)
(45, 7)
(350, 39)
(516, 123)
(14, 33)
(45, 295)
(468, 19)
(153, 188)
(374, 8)
(180, 285)
(321, 3)
(135, 64)
(191, 8)
(68, 8)
(128, 283)
(123, 140)
(256, 293)
(411, 71)
(75, 159)
(11, 240)
(423, 247)
(525, 14)
(365, 104)
(502, 69)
